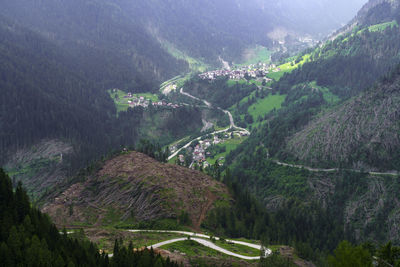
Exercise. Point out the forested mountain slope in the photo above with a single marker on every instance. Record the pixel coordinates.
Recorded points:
(351, 62)
(46, 95)
(29, 238)
(45, 99)
(340, 69)
(59, 57)
(346, 66)
(373, 12)
(42, 96)
(362, 132)
(107, 44)
(315, 124)
(127, 33)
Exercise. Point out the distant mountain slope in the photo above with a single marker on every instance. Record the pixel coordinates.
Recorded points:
(318, 18)
(108, 45)
(332, 73)
(375, 12)
(363, 132)
(46, 94)
(43, 96)
(134, 188)
(128, 32)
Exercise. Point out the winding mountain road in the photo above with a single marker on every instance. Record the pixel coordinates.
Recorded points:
(199, 238)
(330, 170)
(232, 124)
(208, 104)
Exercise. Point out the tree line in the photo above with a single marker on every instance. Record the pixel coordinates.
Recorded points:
(29, 238)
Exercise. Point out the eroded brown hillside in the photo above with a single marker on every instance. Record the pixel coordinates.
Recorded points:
(134, 187)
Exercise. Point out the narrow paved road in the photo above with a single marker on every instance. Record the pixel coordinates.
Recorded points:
(330, 170)
(208, 244)
(208, 104)
(199, 239)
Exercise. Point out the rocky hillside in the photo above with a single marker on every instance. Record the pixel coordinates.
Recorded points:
(134, 188)
(362, 132)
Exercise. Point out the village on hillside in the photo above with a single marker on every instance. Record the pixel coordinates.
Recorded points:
(252, 71)
(140, 101)
(198, 153)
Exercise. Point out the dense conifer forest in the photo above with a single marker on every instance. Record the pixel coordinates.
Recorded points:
(28, 238)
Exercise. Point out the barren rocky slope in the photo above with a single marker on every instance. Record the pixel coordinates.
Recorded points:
(364, 132)
(133, 187)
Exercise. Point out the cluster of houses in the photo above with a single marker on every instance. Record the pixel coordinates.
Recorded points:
(141, 101)
(134, 101)
(253, 71)
(199, 152)
(165, 104)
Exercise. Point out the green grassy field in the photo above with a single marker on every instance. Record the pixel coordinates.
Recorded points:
(239, 249)
(263, 106)
(287, 67)
(139, 239)
(229, 145)
(194, 64)
(257, 55)
(383, 26)
(142, 239)
(192, 248)
(152, 97)
(327, 94)
(231, 83)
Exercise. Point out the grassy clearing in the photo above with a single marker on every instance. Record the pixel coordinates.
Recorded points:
(247, 240)
(229, 144)
(32, 168)
(231, 83)
(142, 239)
(327, 94)
(152, 97)
(263, 106)
(192, 248)
(257, 55)
(239, 249)
(106, 236)
(121, 100)
(288, 67)
(383, 26)
(194, 64)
